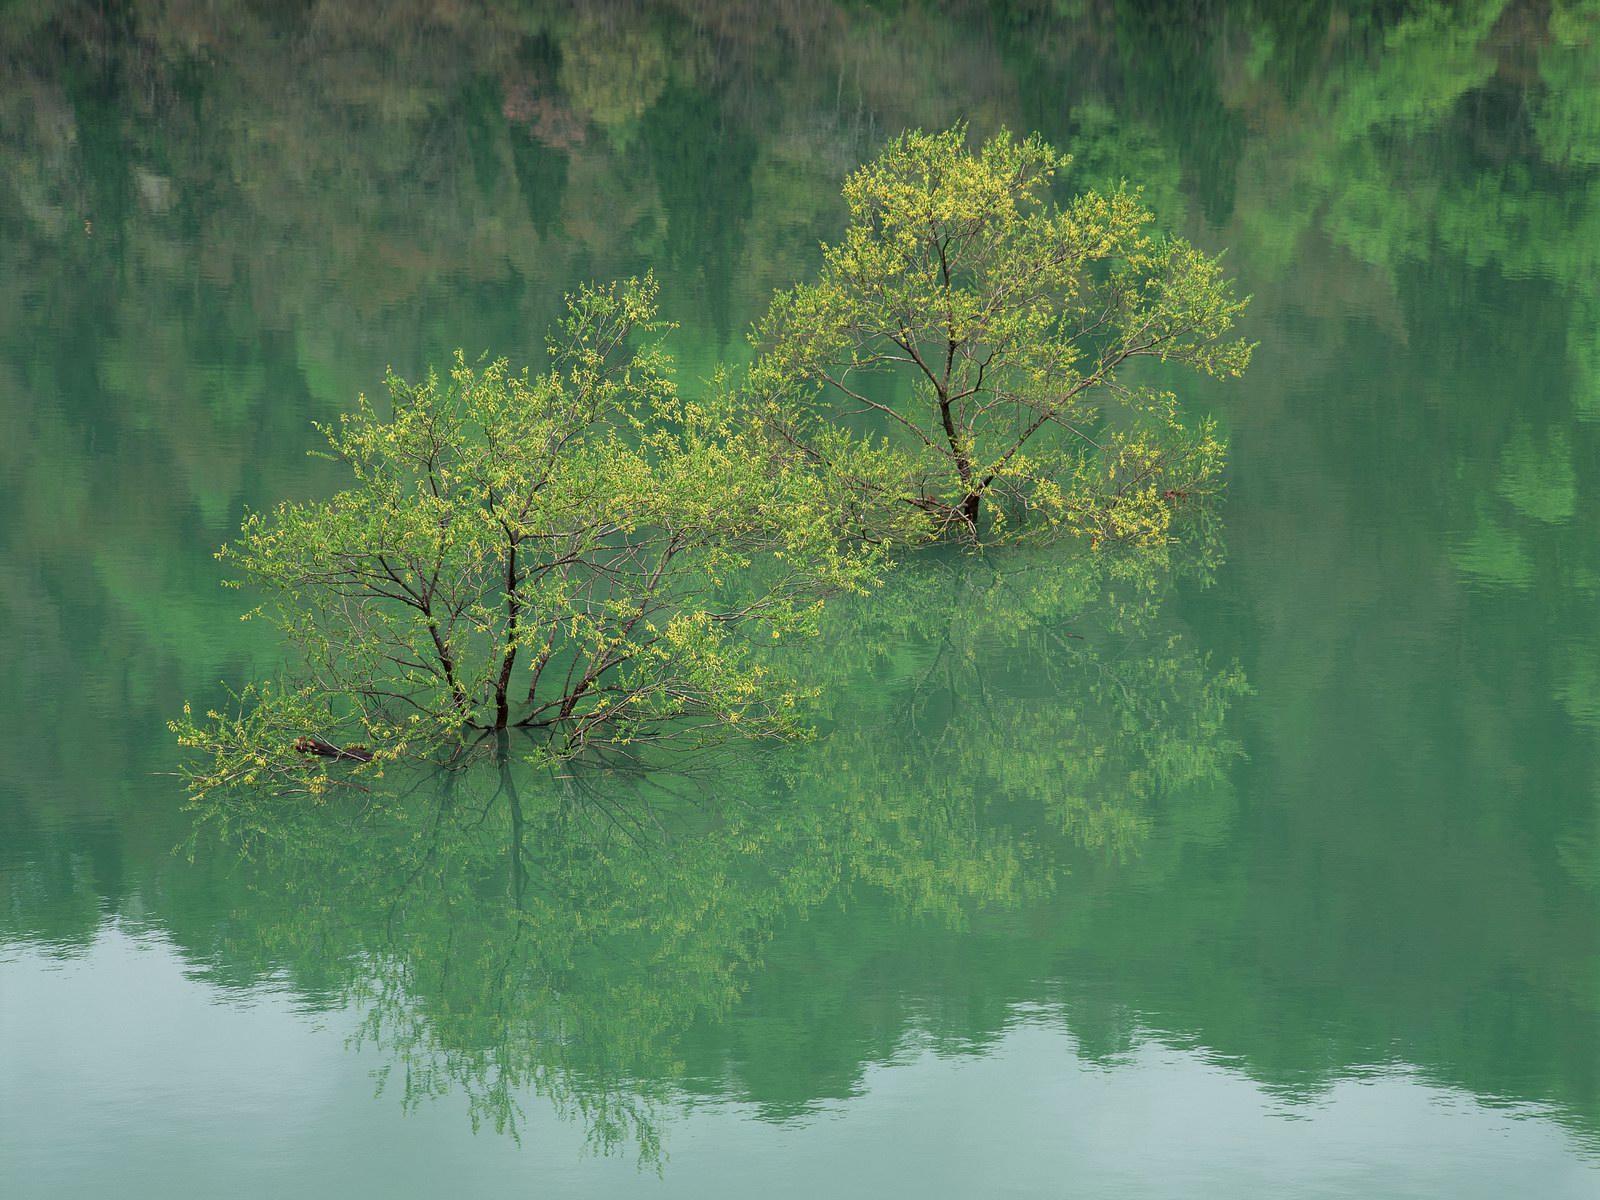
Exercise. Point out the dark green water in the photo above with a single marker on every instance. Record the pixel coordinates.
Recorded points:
(1270, 867)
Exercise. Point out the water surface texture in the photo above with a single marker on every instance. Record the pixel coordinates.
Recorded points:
(1268, 865)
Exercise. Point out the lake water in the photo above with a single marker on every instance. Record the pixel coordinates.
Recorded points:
(1269, 866)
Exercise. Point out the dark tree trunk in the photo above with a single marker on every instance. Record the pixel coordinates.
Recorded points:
(969, 509)
(502, 708)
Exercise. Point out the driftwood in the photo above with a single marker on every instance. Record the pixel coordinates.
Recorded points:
(326, 749)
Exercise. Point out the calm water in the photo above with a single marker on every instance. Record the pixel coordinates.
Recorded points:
(1269, 868)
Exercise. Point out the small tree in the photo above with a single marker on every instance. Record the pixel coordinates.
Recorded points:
(581, 554)
(1003, 324)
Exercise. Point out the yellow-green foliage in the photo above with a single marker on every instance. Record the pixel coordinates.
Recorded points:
(591, 557)
(983, 332)
(581, 554)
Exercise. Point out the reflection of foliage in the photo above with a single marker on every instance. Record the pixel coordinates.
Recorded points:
(613, 70)
(704, 177)
(1493, 553)
(1567, 120)
(1034, 681)
(1109, 151)
(1161, 55)
(505, 938)
(1538, 480)
(506, 935)
(1583, 356)
(1579, 847)
(1430, 58)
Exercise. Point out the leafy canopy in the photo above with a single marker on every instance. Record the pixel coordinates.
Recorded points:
(582, 554)
(586, 555)
(984, 333)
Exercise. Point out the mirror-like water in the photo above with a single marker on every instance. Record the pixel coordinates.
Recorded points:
(1269, 865)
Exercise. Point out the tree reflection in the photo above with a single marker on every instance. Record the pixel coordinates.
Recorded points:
(1019, 702)
(508, 934)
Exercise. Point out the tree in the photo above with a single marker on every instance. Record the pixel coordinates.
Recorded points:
(986, 330)
(581, 554)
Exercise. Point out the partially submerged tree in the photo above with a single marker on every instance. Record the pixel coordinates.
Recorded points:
(585, 555)
(581, 554)
(985, 332)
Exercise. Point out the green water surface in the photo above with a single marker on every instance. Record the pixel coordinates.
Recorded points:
(1268, 865)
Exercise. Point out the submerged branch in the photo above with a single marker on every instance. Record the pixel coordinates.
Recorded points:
(323, 748)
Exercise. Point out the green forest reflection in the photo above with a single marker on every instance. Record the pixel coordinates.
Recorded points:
(1403, 867)
(508, 933)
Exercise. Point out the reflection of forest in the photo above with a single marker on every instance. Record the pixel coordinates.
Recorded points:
(198, 259)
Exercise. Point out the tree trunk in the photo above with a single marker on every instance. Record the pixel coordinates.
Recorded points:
(969, 509)
(970, 503)
(502, 708)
